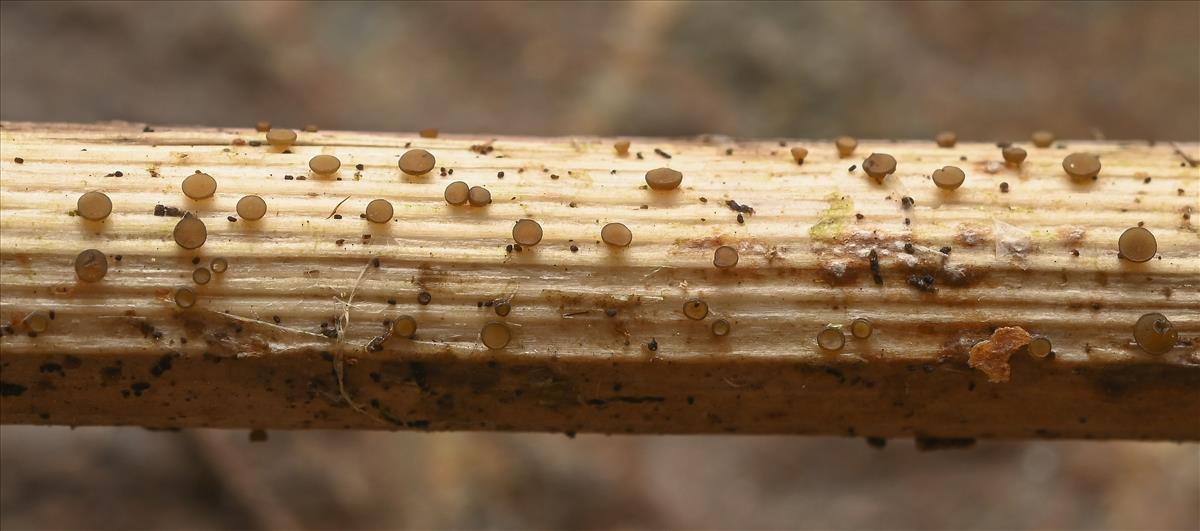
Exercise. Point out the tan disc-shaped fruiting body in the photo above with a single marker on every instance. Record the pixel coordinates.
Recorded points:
(946, 139)
(219, 265)
(404, 326)
(799, 154)
(190, 232)
(94, 206)
(251, 208)
(949, 177)
(1082, 166)
(185, 297)
(199, 186)
(1013, 155)
(379, 211)
(1137, 244)
(527, 232)
(721, 328)
(457, 193)
(37, 322)
(663, 179)
(479, 196)
(428, 133)
(1042, 139)
(1155, 334)
(91, 265)
(725, 257)
(622, 147)
(616, 234)
(503, 308)
(879, 166)
(417, 162)
(861, 328)
(1040, 347)
(495, 335)
(262, 126)
(845, 146)
(201, 275)
(281, 138)
(831, 338)
(324, 164)
(695, 309)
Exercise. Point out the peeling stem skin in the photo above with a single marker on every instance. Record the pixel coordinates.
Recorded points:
(252, 351)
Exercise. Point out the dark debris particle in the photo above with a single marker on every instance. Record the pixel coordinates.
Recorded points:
(922, 282)
(611, 312)
(391, 302)
(288, 177)
(877, 442)
(375, 262)
(139, 387)
(147, 129)
(740, 219)
(728, 151)
(662, 153)
(734, 206)
(639, 155)
(11, 389)
(1004, 188)
(906, 202)
(254, 143)
(875, 274)
(276, 319)
(337, 216)
(162, 210)
(359, 167)
(499, 175)
(859, 216)
(652, 345)
(231, 219)
(18, 160)
(945, 250)
(574, 248)
(908, 248)
(424, 298)
(852, 168)
(926, 444)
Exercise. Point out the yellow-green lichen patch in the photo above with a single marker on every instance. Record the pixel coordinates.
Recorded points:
(833, 219)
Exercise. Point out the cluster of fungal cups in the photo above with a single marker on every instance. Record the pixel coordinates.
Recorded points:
(1153, 333)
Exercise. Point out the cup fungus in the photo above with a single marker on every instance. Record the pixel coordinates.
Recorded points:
(861, 328)
(1082, 166)
(479, 196)
(404, 326)
(457, 193)
(721, 328)
(695, 309)
(94, 206)
(663, 179)
(262, 126)
(417, 162)
(879, 165)
(251, 208)
(190, 232)
(219, 265)
(1042, 139)
(831, 338)
(616, 234)
(1137, 244)
(281, 138)
(527, 232)
(845, 145)
(725, 257)
(324, 164)
(1013, 155)
(201, 275)
(503, 308)
(379, 211)
(91, 265)
(1040, 347)
(428, 133)
(622, 147)
(1155, 334)
(185, 298)
(946, 139)
(949, 177)
(37, 322)
(799, 154)
(199, 186)
(495, 335)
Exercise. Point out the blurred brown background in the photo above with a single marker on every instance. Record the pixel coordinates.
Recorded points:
(990, 71)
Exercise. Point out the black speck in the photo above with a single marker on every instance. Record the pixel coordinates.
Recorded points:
(147, 129)
(908, 248)
(639, 155)
(874, 259)
(859, 216)
(574, 248)
(1004, 188)
(740, 219)
(424, 298)
(11, 389)
(231, 219)
(288, 177)
(375, 262)
(876, 442)
(662, 153)
(906, 202)
(853, 167)
(611, 312)
(18, 160)
(254, 143)
(359, 167)
(922, 282)
(652, 345)
(945, 250)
